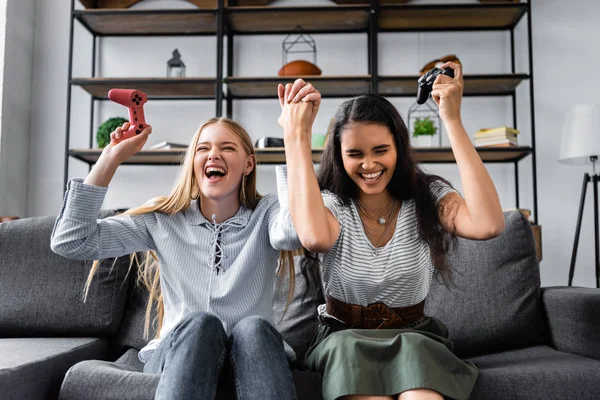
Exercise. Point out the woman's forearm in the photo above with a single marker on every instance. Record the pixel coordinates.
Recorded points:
(307, 209)
(479, 191)
(103, 171)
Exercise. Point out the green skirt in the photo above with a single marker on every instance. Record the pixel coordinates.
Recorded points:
(386, 362)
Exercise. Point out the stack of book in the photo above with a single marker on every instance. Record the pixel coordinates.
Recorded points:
(497, 137)
(168, 146)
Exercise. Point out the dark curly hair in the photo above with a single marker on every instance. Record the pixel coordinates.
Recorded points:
(408, 180)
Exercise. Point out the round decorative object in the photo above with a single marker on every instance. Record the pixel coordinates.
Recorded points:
(381, 221)
(104, 130)
(432, 64)
(299, 68)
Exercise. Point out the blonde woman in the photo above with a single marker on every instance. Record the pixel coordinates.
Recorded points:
(212, 256)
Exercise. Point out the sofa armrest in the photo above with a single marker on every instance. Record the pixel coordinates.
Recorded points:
(573, 319)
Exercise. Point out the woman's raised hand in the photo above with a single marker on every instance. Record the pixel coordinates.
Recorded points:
(300, 103)
(447, 93)
(122, 149)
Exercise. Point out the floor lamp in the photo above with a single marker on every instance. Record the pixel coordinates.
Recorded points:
(580, 145)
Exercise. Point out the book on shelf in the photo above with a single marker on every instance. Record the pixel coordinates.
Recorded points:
(497, 136)
(498, 130)
(497, 143)
(167, 146)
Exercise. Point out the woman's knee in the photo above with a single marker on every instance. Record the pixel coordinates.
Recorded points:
(253, 327)
(200, 321)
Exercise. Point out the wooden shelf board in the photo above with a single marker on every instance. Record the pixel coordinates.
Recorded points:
(406, 17)
(175, 156)
(493, 154)
(277, 155)
(128, 3)
(153, 87)
(283, 20)
(270, 20)
(266, 87)
(474, 84)
(123, 22)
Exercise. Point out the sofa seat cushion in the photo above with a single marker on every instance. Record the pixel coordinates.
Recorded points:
(33, 368)
(41, 292)
(124, 379)
(538, 372)
(495, 303)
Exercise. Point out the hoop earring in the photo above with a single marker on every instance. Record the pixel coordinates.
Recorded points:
(244, 187)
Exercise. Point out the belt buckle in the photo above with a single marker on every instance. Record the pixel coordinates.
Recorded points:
(385, 323)
(388, 317)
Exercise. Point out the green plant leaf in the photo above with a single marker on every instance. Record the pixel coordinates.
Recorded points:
(424, 127)
(105, 129)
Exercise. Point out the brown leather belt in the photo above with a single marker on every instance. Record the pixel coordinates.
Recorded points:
(374, 316)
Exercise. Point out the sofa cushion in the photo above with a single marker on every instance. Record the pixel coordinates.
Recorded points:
(41, 292)
(536, 373)
(299, 323)
(33, 368)
(124, 379)
(131, 332)
(495, 301)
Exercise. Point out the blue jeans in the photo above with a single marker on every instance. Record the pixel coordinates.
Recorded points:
(191, 358)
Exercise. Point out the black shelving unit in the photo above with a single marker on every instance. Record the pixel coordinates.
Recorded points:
(217, 19)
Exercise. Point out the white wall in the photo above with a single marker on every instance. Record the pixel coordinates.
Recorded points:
(3, 4)
(17, 54)
(561, 53)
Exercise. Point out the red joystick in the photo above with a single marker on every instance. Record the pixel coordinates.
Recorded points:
(134, 100)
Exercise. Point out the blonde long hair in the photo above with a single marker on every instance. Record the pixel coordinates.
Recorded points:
(186, 189)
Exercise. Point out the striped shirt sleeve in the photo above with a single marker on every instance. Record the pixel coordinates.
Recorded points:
(333, 203)
(282, 233)
(440, 189)
(78, 234)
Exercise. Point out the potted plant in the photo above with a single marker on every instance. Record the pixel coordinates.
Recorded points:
(424, 127)
(104, 130)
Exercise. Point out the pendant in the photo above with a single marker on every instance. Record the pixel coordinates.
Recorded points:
(381, 221)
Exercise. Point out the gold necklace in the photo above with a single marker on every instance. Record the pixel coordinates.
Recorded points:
(375, 232)
(382, 219)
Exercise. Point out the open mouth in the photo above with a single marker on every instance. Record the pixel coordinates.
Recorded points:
(371, 177)
(214, 174)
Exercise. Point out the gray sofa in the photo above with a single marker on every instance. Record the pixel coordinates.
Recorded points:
(529, 343)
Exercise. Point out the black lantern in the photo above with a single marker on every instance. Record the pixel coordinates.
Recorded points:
(301, 41)
(175, 67)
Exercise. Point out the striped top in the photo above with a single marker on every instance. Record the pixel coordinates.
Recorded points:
(227, 269)
(398, 274)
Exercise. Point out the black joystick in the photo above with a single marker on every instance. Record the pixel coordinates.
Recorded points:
(426, 82)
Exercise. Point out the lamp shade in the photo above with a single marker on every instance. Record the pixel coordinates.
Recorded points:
(580, 135)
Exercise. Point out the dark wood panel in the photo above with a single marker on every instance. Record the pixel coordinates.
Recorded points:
(153, 87)
(448, 17)
(129, 3)
(474, 84)
(266, 87)
(496, 154)
(277, 155)
(284, 19)
(148, 22)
